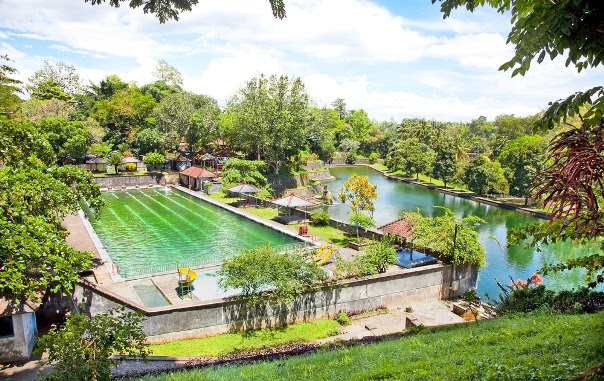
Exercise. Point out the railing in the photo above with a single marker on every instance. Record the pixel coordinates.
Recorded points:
(194, 263)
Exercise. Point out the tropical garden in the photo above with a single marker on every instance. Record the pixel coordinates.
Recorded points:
(553, 160)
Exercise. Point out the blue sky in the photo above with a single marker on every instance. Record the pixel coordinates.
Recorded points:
(393, 58)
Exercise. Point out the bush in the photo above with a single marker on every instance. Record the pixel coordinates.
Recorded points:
(130, 167)
(342, 318)
(373, 157)
(320, 218)
(526, 298)
(351, 158)
(374, 260)
(236, 171)
(282, 275)
(154, 159)
(84, 348)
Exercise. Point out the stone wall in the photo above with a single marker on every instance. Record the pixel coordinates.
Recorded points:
(396, 289)
(142, 180)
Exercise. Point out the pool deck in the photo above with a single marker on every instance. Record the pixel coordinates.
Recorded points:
(82, 237)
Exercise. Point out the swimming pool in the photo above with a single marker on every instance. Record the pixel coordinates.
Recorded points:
(148, 231)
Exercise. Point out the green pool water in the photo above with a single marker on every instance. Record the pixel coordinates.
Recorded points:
(395, 198)
(155, 230)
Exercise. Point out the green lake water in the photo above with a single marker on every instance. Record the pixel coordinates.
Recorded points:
(154, 230)
(395, 198)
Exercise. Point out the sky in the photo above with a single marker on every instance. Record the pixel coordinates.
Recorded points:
(392, 58)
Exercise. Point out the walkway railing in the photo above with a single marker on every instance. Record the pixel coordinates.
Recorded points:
(145, 271)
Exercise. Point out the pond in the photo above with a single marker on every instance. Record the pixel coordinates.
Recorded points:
(395, 198)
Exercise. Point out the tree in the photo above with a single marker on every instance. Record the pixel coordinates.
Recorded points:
(360, 124)
(168, 74)
(124, 114)
(154, 158)
(35, 196)
(340, 106)
(522, 158)
(115, 158)
(236, 171)
(38, 109)
(170, 9)
(159, 90)
(361, 195)
(59, 81)
(188, 116)
(272, 116)
(455, 240)
(284, 275)
(84, 348)
(410, 156)
(483, 175)
(445, 164)
(108, 87)
(321, 135)
(574, 29)
(148, 140)
(9, 87)
(67, 138)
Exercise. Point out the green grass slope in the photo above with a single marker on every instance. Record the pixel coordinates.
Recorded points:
(522, 347)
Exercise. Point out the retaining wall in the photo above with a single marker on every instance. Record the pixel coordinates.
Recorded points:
(396, 289)
(142, 180)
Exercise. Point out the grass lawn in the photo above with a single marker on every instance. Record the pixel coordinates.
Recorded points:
(246, 341)
(328, 233)
(268, 213)
(222, 197)
(522, 347)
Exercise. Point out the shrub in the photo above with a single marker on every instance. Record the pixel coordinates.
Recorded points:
(154, 159)
(130, 167)
(351, 158)
(374, 260)
(320, 218)
(373, 157)
(342, 318)
(264, 273)
(236, 171)
(526, 296)
(84, 348)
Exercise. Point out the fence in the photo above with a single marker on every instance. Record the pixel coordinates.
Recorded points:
(145, 271)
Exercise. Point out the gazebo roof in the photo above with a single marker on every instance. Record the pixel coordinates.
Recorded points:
(402, 227)
(206, 156)
(198, 172)
(292, 201)
(244, 188)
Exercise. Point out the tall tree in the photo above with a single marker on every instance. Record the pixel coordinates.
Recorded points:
(360, 124)
(168, 74)
(9, 87)
(522, 159)
(166, 10)
(272, 115)
(410, 156)
(67, 138)
(58, 81)
(340, 106)
(361, 194)
(445, 163)
(482, 176)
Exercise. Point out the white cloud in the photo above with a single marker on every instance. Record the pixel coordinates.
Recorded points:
(355, 49)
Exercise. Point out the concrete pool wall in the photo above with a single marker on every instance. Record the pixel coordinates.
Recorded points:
(396, 288)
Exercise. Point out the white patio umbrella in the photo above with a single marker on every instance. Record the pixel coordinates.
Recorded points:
(244, 188)
(293, 201)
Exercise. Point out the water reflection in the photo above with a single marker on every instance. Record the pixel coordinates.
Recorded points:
(396, 198)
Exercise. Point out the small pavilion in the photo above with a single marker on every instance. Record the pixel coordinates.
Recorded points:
(401, 228)
(193, 177)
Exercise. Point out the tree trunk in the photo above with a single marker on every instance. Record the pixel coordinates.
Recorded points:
(526, 200)
(115, 168)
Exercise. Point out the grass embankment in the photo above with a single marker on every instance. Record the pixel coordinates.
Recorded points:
(245, 341)
(328, 233)
(521, 347)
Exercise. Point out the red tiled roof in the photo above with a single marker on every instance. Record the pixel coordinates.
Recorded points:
(402, 227)
(198, 172)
